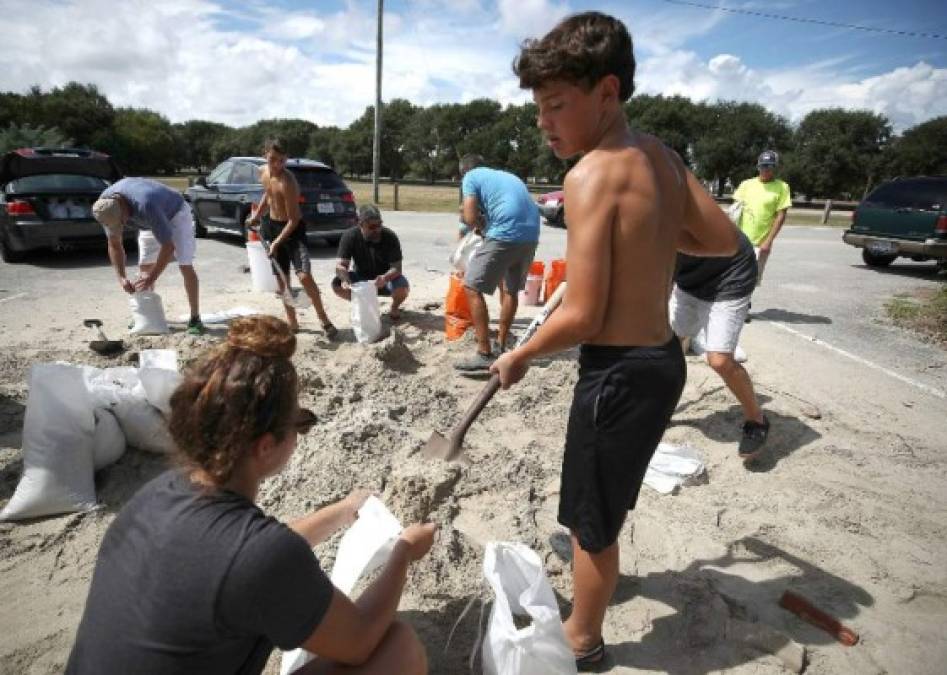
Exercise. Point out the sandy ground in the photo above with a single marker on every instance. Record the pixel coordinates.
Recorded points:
(848, 507)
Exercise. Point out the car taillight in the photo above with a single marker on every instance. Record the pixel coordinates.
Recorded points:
(302, 199)
(348, 197)
(941, 227)
(20, 208)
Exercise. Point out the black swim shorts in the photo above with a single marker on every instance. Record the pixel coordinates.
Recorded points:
(295, 249)
(621, 406)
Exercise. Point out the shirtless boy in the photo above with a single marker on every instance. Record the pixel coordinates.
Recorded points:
(285, 230)
(631, 204)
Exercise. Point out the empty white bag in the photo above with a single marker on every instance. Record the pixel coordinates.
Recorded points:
(366, 314)
(57, 445)
(365, 547)
(465, 249)
(671, 466)
(520, 587)
(158, 372)
(147, 314)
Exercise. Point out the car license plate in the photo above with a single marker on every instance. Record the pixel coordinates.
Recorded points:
(325, 207)
(883, 247)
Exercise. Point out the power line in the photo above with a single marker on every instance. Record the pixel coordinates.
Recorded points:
(821, 22)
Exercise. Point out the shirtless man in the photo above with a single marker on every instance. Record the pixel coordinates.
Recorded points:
(285, 230)
(631, 204)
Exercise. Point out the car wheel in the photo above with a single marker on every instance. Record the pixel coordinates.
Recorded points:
(560, 219)
(877, 260)
(199, 230)
(8, 255)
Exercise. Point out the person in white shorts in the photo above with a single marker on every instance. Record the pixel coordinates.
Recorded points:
(166, 231)
(713, 295)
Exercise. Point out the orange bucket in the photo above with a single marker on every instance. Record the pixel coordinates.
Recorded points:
(534, 284)
(555, 276)
(457, 317)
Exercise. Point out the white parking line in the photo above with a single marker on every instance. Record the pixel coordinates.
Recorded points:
(865, 362)
(12, 297)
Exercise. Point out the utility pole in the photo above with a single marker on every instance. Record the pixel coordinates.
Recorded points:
(376, 146)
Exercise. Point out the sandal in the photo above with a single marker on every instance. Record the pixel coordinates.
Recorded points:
(592, 660)
(330, 330)
(395, 315)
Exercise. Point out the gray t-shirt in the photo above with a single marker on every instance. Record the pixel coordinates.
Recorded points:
(714, 279)
(196, 581)
(152, 205)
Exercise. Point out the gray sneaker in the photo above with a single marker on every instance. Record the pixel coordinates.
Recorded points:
(478, 363)
(754, 438)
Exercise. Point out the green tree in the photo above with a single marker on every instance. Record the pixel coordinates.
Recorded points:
(320, 145)
(837, 153)
(142, 142)
(80, 111)
(920, 151)
(397, 116)
(195, 143)
(733, 135)
(676, 120)
(25, 136)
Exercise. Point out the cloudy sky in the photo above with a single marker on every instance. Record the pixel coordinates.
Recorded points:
(237, 62)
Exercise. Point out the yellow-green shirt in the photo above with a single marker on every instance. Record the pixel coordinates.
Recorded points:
(761, 201)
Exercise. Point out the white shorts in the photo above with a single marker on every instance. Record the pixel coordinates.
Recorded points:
(182, 236)
(722, 320)
(760, 265)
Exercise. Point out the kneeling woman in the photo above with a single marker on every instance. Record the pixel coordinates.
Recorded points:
(192, 577)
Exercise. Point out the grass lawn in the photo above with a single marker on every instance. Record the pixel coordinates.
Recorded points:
(410, 197)
(814, 217)
(924, 311)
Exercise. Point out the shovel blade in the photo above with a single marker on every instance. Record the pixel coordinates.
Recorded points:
(106, 347)
(439, 446)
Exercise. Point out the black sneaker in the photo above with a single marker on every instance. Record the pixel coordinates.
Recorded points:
(754, 438)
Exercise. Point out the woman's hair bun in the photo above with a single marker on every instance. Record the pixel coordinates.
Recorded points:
(262, 335)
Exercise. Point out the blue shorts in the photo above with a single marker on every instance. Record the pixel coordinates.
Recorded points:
(400, 281)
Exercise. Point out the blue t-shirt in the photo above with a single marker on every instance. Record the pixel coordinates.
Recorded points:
(152, 204)
(510, 212)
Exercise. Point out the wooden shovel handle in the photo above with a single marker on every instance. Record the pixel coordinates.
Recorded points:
(489, 389)
(808, 612)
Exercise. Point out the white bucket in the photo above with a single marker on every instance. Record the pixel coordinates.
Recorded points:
(148, 314)
(261, 272)
(530, 294)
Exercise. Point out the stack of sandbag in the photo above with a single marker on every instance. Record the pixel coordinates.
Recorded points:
(79, 419)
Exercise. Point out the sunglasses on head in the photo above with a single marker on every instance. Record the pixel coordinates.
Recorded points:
(305, 420)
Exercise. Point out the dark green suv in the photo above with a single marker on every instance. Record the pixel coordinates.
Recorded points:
(903, 217)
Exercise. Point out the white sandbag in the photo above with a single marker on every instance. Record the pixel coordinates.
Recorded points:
(520, 587)
(365, 547)
(735, 212)
(108, 386)
(672, 466)
(144, 426)
(57, 445)
(465, 249)
(108, 441)
(147, 314)
(366, 314)
(158, 372)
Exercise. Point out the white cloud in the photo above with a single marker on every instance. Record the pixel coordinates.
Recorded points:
(199, 59)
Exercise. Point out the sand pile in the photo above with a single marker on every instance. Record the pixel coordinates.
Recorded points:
(819, 514)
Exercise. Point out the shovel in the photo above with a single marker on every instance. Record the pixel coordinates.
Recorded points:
(450, 447)
(103, 345)
(300, 301)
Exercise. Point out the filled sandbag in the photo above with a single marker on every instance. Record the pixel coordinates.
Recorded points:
(144, 426)
(366, 314)
(148, 314)
(108, 441)
(57, 445)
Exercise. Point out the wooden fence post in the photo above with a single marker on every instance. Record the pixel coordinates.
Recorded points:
(396, 195)
(826, 211)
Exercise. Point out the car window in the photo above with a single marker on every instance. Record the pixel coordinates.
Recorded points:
(912, 194)
(245, 173)
(220, 174)
(57, 182)
(321, 179)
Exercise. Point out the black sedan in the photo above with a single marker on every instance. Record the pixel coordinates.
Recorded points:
(222, 200)
(46, 199)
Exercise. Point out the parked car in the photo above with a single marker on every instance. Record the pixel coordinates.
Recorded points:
(550, 206)
(222, 200)
(46, 199)
(903, 217)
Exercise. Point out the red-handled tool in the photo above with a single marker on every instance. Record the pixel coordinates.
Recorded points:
(808, 612)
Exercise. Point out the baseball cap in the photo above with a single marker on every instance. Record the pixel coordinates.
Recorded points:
(108, 211)
(767, 158)
(368, 212)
